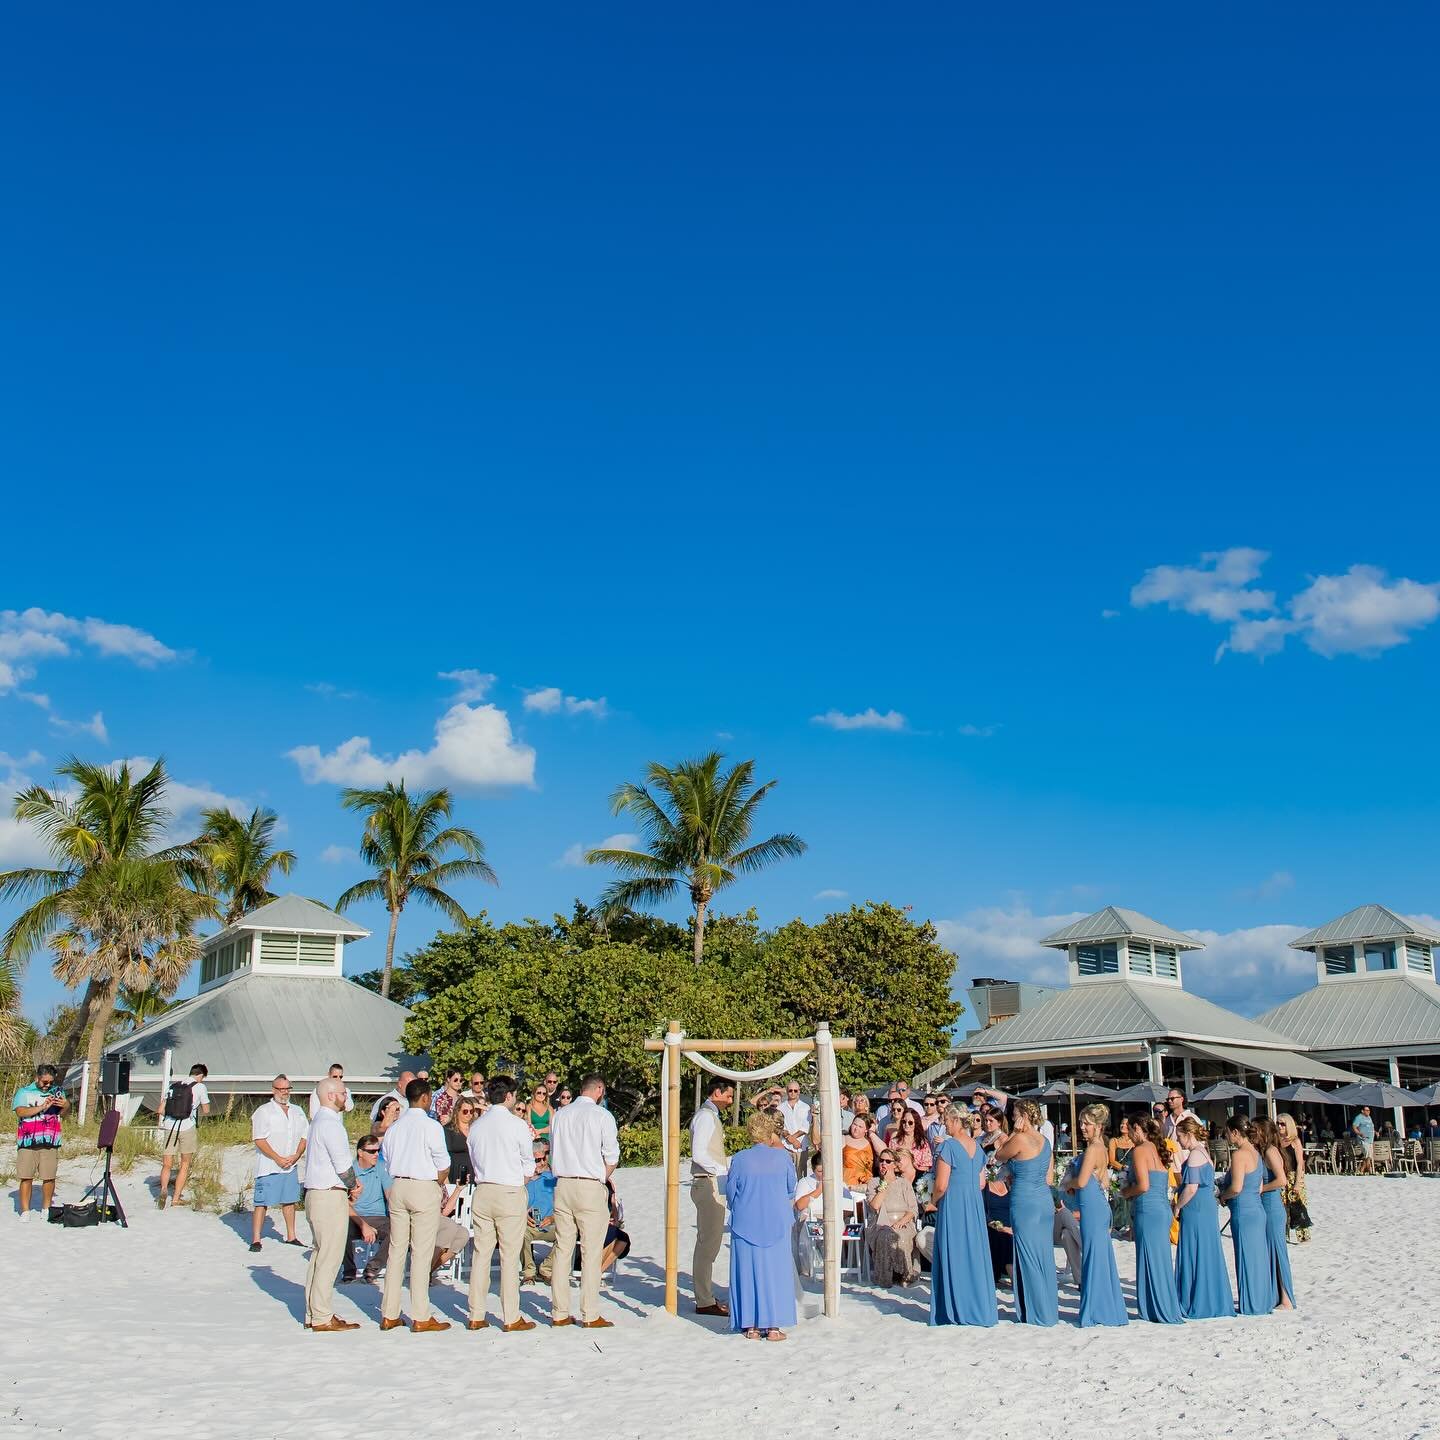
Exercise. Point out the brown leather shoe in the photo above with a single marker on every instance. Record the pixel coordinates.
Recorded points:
(719, 1307)
(394, 1324)
(429, 1327)
(477, 1324)
(521, 1324)
(568, 1320)
(335, 1323)
(600, 1324)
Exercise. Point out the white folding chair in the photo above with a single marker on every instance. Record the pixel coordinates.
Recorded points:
(460, 1261)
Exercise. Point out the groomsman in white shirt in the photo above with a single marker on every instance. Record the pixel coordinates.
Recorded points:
(502, 1155)
(329, 1186)
(707, 1171)
(584, 1151)
(418, 1160)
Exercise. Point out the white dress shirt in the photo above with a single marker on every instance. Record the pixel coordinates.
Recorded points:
(414, 1147)
(315, 1102)
(501, 1148)
(707, 1142)
(282, 1128)
(327, 1152)
(583, 1140)
(796, 1115)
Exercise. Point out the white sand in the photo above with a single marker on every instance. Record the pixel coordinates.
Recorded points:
(172, 1327)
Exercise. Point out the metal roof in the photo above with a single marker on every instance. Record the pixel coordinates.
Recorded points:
(1364, 922)
(1277, 1062)
(259, 1026)
(1381, 1012)
(1117, 1010)
(293, 913)
(1114, 922)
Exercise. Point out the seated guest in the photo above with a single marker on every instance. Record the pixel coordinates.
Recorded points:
(892, 1213)
(617, 1242)
(858, 1152)
(1066, 1235)
(369, 1211)
(996, 1196)
(451, 1237)
(457, 1140)
(540, 1216)
(807, 1191)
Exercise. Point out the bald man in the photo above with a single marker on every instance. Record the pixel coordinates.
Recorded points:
(330, 1185)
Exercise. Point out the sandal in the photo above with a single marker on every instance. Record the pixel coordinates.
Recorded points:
(775, 1335)
(752, 1334)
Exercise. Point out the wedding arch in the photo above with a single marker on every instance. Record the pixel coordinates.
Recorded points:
(677, 1046)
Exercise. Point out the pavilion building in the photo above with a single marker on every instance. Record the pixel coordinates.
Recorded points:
(1126, 1016)
(1375, 1004)
(273, 1000)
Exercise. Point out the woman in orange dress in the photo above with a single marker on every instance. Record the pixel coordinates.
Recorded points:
(858, 1152)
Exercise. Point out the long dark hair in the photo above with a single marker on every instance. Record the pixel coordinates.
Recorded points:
(1149, 1126)
(916, 1124)
(1242, 1126)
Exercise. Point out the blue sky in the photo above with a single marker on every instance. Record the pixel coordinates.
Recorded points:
(1054, 391)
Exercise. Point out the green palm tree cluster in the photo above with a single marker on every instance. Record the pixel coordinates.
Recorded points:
(240, 859)
(405, 842)
(697, 823)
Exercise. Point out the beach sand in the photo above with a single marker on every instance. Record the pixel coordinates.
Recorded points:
(173, 1327)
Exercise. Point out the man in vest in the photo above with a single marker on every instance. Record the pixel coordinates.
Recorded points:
(707, 1167)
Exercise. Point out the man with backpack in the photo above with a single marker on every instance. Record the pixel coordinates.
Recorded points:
(184, 1101)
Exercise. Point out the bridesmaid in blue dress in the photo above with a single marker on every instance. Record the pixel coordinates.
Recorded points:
(1272, 1197)
(1102, 1302)
(1201, 1279)
(1149, 1193)
(759, 1192)
(962, 1289)
(1254, 1277)
(1032, 1217)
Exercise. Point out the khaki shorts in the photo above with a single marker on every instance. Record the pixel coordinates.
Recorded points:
(180, 1142)
(37, 1162)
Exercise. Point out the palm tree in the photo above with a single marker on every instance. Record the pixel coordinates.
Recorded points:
(127, 923)
(697, 826)
(107, 813)
(240, 858)
(16, 1033)
(404, 842)
(134, 1009)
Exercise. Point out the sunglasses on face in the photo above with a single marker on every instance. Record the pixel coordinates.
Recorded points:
(363, 1151)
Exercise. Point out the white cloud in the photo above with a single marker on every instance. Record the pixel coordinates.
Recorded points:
(832, 894)
(473, 747)
(979, 732)
(1001, 943)
(40, 632)
(94, 726)
(870, 719)
(551, 700)
(338, 855)
(474, 684)
(1276, 883)
(1362, 612)
(33, 697)
(1108, 614)
(575, 854)
(330, 691)
(19, 844)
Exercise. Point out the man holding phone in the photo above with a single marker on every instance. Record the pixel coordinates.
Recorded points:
(38, 1110)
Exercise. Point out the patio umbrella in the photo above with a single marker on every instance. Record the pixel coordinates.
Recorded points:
(1376, 1093)
(1146, 1090)
(1305, 1093)
(1430, 1095)
(1227, 1090)
(1060, 1090)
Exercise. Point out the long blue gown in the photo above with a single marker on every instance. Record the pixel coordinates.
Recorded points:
(1155, 1297)
(962, 1289)
(1201, 1279)
(1273, 1202)
(1254, 1277)
(1032, 1216)
(1102, 1302)
(759, 1190)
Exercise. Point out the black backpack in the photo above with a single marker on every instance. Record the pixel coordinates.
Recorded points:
(180, 1102)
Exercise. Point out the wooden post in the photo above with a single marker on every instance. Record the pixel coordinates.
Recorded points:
(829, 1078)
(1074, 1126)
(672, 1168)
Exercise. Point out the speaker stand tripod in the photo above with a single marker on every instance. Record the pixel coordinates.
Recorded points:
(106, 1199)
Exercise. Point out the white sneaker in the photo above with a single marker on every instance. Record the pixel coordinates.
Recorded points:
(25, 1215)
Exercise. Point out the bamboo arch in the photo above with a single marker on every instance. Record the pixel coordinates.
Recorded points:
(674, 1048)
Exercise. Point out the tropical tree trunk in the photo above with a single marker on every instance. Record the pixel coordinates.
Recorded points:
(699, 931)
(390, 952)
(104, 1010)
(84, 1013)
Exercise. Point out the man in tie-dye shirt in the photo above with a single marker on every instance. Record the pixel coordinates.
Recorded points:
(38, 1109)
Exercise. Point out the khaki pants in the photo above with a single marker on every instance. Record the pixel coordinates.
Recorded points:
(414, 1223)
(581, 1207)
(497, 1212)
(328, 1212)
(709, 1230)
(527, 1251)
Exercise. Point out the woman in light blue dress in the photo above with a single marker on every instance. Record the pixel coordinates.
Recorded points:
(759, 1192)
(1201, 1279)
(1254, 1277)
(1149, 1194)
(1102, 1302)
(962, 1289)
(1032, 1216)
(1272, 1198)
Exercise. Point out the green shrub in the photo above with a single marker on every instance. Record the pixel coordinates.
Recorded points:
(641, 1144)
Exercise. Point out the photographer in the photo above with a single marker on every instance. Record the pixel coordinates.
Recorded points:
(38, 1109)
